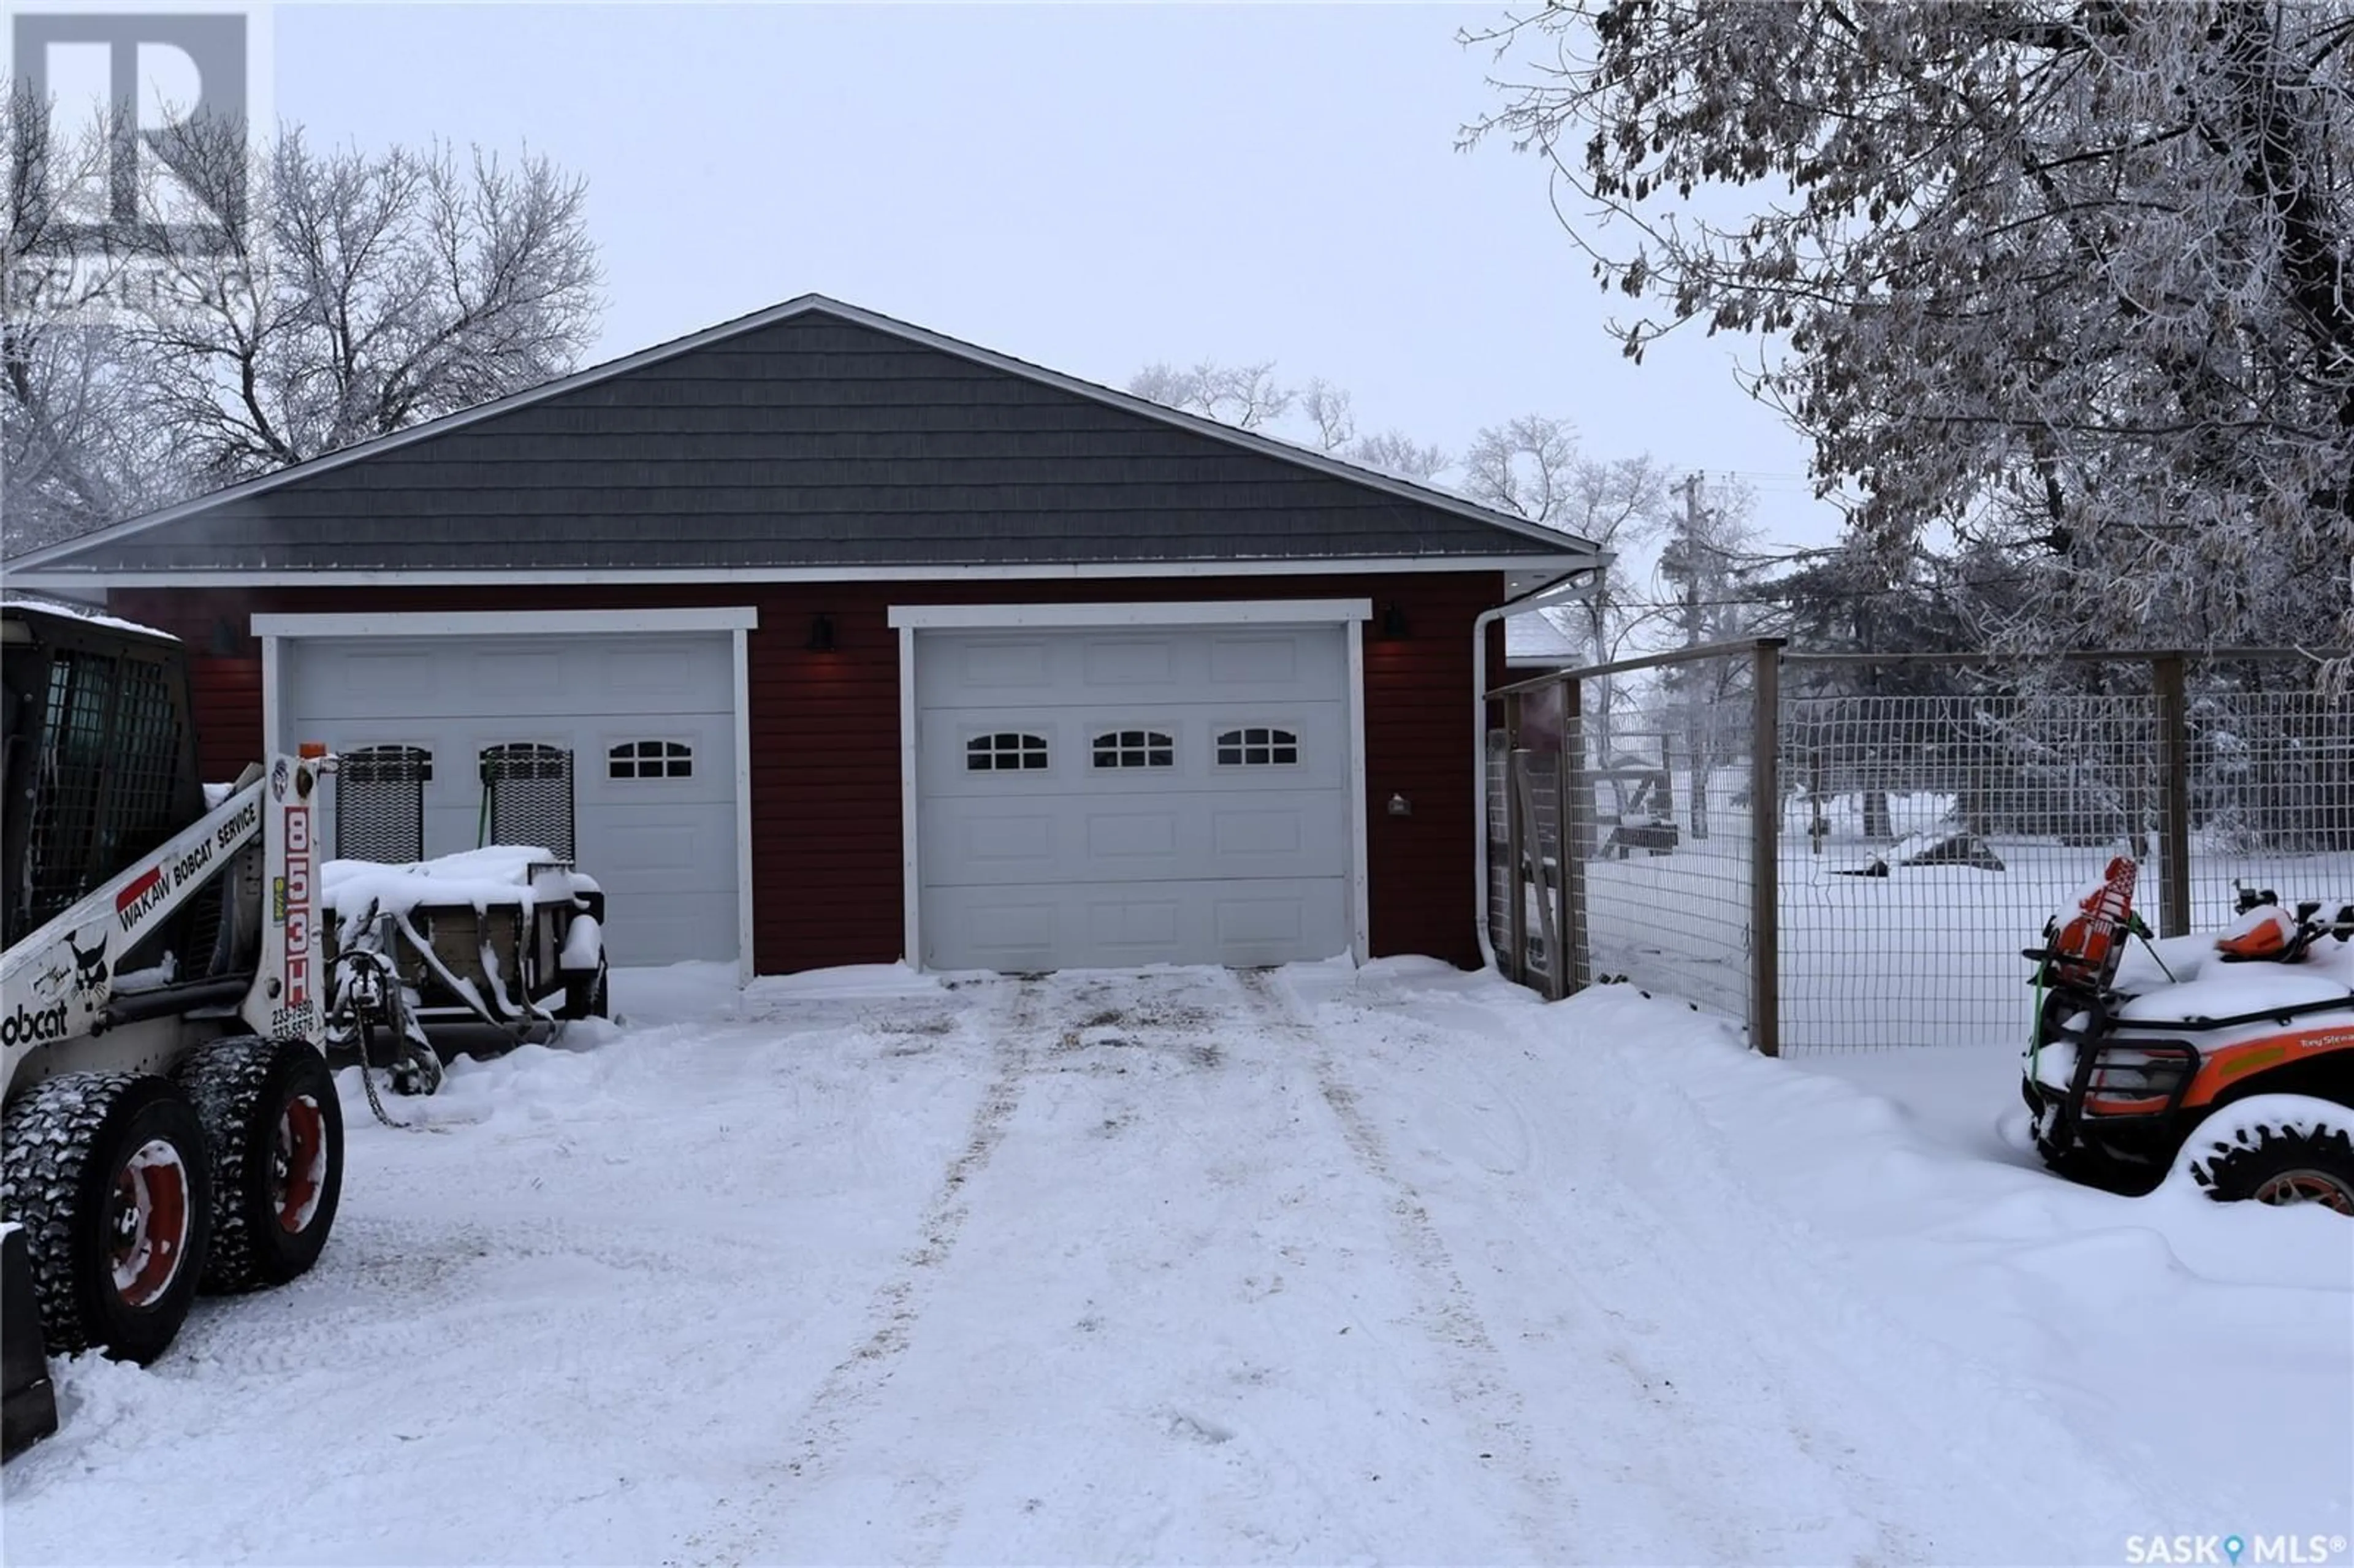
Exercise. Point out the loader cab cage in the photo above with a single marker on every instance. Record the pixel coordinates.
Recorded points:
(99, 763)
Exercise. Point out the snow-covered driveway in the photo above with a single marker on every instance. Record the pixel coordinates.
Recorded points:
(1312, 1266)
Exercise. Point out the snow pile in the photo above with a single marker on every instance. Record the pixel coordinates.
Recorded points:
(1326, 1266)
(584, 944)
(498, 877)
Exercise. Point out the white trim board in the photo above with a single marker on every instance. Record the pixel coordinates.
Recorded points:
(1230, 612)
(739, 638)
(508, 622)
(1361, 882)
(61, 581)
(273, 663)
(911, 886)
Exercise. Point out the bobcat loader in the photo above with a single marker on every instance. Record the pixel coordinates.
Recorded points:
(173, 975)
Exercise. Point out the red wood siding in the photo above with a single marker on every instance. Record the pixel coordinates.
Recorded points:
(826, 873)
(226, 695)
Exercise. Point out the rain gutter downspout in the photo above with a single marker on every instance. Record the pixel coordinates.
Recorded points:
(1582, 583)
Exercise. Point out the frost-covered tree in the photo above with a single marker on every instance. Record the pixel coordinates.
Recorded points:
(1244, 396)
(1702, 599)
(2072, 280)
(394, 288)
(78, 446)
(1318, 415)
(1394, 451)
(1333, 413)
(369, 293)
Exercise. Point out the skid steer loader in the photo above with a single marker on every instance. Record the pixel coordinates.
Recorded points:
(175, 971)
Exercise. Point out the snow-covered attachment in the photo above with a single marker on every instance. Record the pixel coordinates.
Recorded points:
(2142, 1055)
(510, 937)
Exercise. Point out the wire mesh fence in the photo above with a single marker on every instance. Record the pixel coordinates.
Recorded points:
(1930, 837)
(1628, 837)
(1927, 814)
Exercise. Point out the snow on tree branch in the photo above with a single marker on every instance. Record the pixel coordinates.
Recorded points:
(370, 292)
(2070, 280)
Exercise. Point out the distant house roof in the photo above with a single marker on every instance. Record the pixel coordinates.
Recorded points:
(1534, 637)
(813, 437)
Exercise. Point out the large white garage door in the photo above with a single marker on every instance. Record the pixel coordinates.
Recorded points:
(644, 724)
(1107, 798)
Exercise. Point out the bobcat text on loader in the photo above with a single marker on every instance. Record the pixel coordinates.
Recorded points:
(2236, 1050)
(173, 978)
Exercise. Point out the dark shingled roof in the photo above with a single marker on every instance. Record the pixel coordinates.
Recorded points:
(811, 435)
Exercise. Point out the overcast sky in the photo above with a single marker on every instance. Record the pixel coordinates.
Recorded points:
(1091, 187)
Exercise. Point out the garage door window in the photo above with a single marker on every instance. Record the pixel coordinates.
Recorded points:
(1259, 747)
(1006, 752)
(1134, 749)
(650, 759)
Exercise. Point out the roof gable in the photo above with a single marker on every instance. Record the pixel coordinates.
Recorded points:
(810, 436)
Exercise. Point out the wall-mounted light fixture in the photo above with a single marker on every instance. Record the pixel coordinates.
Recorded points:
(1393, 626)
(820, 637)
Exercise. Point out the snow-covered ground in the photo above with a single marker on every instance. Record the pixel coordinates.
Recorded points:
(1323, 1265)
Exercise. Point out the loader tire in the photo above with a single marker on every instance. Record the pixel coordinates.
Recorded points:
(276, 1127)
(2281, 1165)
(109, 1175)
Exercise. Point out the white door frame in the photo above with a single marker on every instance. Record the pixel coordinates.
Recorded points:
(737, 620)
(1351, 613)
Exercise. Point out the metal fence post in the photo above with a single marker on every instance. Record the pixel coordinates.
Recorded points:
(1524, 797)
(1569, 876)
(2174, 793)
(1516, 902)
(1764, 847)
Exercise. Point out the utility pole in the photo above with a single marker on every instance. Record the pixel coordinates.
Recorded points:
(1695, 619)
(1684, 681)
(1682, 560)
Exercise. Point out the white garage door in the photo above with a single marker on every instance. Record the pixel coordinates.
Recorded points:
(646, 721)
(1107, 797)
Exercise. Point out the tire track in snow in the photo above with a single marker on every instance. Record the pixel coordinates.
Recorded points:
(1634, 1312)
(855, 1383)
(1782, 1423)
(1477, 1379)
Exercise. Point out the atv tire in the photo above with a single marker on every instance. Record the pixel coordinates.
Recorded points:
(108, 1174)
(2280, 1164)
(270, 1112)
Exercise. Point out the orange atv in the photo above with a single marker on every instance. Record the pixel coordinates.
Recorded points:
(2237, 1048)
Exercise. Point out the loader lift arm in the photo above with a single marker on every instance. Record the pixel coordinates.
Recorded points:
(61, 983)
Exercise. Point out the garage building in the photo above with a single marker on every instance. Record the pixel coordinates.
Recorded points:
(820, 638)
